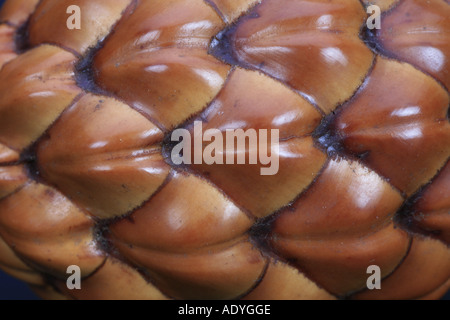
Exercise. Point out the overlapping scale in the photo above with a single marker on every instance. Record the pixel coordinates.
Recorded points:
(334, 242)
(87, 178)
(48, 231)
(424, 270)
(40, 86)
(14, 266)
(114, 163)
(210, 273)
(364, 203)
(251, 100)
(313, 47)
(163, 69)
(418, 32)
(163, 238)
(170, 222)
(97, 17)
(431, 212)
(410, 122)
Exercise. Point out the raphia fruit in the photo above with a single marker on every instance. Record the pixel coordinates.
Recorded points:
(86, 178)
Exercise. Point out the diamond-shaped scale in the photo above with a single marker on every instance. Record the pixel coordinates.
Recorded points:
(114, 161)
(418, 32)
(87, 178)
(40, 86)
(430, 212)
(192, 241)
(334, 242)
(313, 47)
(48, 231)
(163, 69)
(251, 100)
(425, 269)
(408, 123)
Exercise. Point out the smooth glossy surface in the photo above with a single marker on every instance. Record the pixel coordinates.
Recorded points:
(227, 273)
(109, 169)
(311, 46)
(424, 255)
(355, 214)
(163, 68)
(341, 265)
(97, 19)
(358, 202)
(262, 195)
(217, 262)
(48, 231)
(418, 32)
(283, 282)
(244, 105)
(40, 86)
(172, 219)
(408, 122)
(87, 177)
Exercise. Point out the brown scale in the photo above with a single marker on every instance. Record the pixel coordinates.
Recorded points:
(86, 178)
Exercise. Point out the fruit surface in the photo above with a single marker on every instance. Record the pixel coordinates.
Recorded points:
(87, 177)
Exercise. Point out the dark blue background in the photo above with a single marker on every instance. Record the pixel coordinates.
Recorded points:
(13, 289)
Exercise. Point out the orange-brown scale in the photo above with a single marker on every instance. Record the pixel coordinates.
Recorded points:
(260, 233)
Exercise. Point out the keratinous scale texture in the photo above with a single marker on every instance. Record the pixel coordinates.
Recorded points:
(364, 176)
